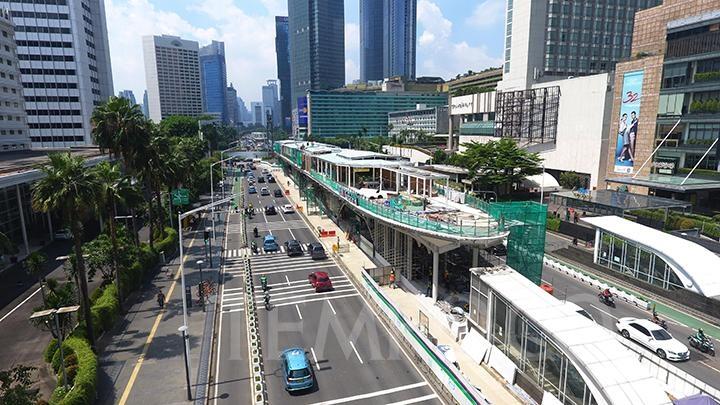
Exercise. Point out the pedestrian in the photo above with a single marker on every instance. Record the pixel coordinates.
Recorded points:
(392, 279)
(574, 241)
(161, 299)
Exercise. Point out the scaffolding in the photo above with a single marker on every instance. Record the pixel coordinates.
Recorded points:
(528, 115)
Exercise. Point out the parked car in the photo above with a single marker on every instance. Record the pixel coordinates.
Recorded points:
(287, 209)
(63, 234)
(270, 244)
(264, 191)
(297, 372)
(653, 337)
(270, 210)
(293, 248)
(317, 251)
(320, 281)
(277, 193)
(252, 190)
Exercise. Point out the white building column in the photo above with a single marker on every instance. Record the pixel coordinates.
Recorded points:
(409, 256)
(397, 182)
(435, 274)
(596, 248)
(22, 220)
(381, 178)
(475, 256)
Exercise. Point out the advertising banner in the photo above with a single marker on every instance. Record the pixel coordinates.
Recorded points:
(302, 112)
(631, 97)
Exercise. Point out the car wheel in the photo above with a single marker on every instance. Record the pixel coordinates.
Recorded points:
(625, 334)
(661, 353)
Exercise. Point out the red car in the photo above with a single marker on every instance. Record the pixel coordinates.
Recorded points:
(320, 281)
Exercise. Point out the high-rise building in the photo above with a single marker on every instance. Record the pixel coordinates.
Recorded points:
(144, 106)
(547, 40)
(14, 133)
(282, 53)
(317, 45)
(172, 74)
(64, 59)
(232, 105)
(213, 75)
(387, 39)
(128, 94)
(256, 109)
(243, 113)
(270, 102)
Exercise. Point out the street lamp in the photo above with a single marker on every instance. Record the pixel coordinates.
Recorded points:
(55, 329)
(201, 285)
(183, 330)
(212, 193)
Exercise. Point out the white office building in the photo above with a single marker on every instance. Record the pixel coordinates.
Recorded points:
(172, 75)
(13, 120)
(271, 103)
(62, 48)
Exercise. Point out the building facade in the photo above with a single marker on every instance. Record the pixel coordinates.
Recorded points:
(172, 74)
(674, 82)
(371, 40)
(64, 65)
(14, 133)
(317, 45)
(144, 106)
(349, 113)
(282, 53)
(430, 121)
(231, 100)
(244, 115)
(387, 39)
(213, 75)
(558, 38)
(256, 109)
(128, 94)
(271, 104)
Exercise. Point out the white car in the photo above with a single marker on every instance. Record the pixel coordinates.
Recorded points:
(287, 209)
(63, 234)
(654, 337)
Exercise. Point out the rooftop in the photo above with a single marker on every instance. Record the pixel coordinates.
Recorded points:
(623, 200)
(19, 161)
(696, 267)
(670, 183)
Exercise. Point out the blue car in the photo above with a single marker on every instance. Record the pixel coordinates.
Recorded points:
(270, 244)
(252, 190)
(296, 370)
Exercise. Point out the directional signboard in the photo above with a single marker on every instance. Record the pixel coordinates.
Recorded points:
(180, 196)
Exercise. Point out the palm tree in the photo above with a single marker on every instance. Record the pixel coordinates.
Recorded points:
(69, 187)
(121, 128)
(114, 189)
(35, 266)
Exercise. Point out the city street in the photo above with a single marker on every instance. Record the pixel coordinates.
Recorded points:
(353, 356)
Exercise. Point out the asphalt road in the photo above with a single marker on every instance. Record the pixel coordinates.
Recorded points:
(353, 356)
(700, 365)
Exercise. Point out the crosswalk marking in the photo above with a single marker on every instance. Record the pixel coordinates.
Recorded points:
(291, 270)
(304, 288)
(327, 298)
(269, 226)
(285, 283)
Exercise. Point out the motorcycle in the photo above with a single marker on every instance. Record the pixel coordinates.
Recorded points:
(705, 346)
(609, 301)
(263, 283)
(255, 232)
(254, 247)
(660, 322)
(266, 299)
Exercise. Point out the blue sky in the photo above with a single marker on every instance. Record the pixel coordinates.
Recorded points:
(453, 36)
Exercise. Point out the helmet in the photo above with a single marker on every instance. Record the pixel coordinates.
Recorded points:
(700, 330)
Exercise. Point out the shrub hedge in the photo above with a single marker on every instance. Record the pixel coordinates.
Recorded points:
(105, 310)
(709, 226)
(85, 375)
(50, 350)
(553, 224)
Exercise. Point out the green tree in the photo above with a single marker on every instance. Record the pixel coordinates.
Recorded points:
(439, 157)
(35, 267)
(16, 386)
(571, 180)
(179, 126)
(6, 245)
(70, 188)
(121, 128)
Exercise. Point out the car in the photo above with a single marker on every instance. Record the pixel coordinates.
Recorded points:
(264, 191)
(498, 250)
(320, 281)
(251, 181)
(277, 193)
(265, 171)
(653, 337)
(270, 179)
(261, 179)
(270, 244)
(297, 372)
(293, 248)
(252, 190)
(270, 210)
(317, 251)
(287, 209)
(63, 234)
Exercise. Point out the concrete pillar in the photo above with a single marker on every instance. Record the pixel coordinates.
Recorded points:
(397, 182)
(596, 249)
(435, 274)
(409, 256)
(22, 220)
(381, 178)
(475, 256)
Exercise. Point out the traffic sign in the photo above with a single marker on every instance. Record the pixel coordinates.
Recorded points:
(181, 196)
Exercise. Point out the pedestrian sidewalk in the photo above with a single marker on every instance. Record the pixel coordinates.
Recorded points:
(484, 378)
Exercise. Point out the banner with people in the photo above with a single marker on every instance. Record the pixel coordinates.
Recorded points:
(631, 98)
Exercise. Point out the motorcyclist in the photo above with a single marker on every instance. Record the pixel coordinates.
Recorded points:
(255, 232)
(254, 246)
(263, 282)
(266, 298)
(700, 336)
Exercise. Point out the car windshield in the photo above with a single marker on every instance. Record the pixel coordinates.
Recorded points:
(661, 334)
(297, 374)
(323, 279)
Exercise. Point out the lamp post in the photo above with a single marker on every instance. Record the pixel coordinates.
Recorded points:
(183, 330)
(200, 285)
(54, 327)
(212, 193)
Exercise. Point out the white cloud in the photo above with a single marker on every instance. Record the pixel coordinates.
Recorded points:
(275, 7)
(487, 14)
(438, 55)
(352, 52)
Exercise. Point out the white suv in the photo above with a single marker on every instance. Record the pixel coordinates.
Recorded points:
(654, 337)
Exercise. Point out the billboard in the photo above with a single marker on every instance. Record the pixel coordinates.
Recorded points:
(631, 97)
(302, 112)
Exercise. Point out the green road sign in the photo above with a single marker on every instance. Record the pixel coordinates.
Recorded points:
(181, 196)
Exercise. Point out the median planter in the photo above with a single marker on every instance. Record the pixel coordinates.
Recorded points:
(81, 377)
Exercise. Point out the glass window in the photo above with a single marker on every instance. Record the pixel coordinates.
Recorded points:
(499, 314)
(658, 272)
(553, 368)
(515, 335)
(574, 386)
(533, 352)
(673, 280)
(630, 259)
(644, 265)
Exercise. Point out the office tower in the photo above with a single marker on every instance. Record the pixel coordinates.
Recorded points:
(283, 68)
(317, 45)
(172, 74)
(14, 133)
(128, 94)
(64, 65)
(387, 39)
(270, 101)
(256, 109)
(232, 106)
(243, 112)
(144, 105)
(214, 80)
(547, 40)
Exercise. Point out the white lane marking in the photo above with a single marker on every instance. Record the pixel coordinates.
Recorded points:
(606, 313)
(233, 294)
(311, 290)
(301, 288)
(232, 304)
(300, 269)
(332, 308)
(356, 352)
(222, 291)
(316, 299)
(227, 299)
(373, 394)
(19, 305)
(233, 289)
(288, 280)
(415, 400)
(229, 311)
(709, 366)
(317, 365)
(298, 311)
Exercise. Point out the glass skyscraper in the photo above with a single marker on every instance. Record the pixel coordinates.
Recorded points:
(214, 80)
(283, 69)
(387, 39)
(317, 45)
